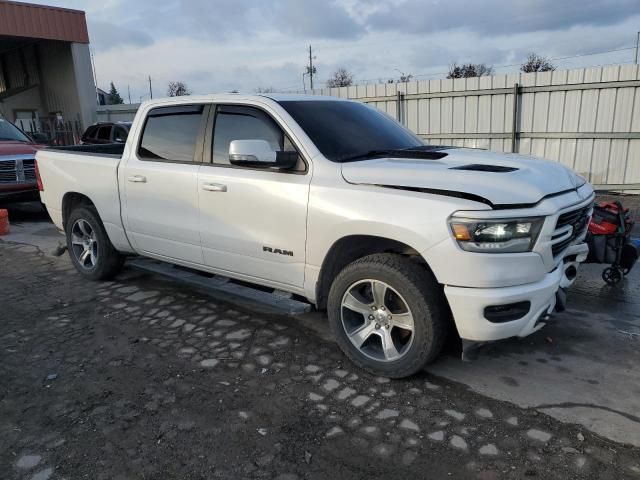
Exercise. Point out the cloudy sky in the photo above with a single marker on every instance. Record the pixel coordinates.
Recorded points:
(221, 45)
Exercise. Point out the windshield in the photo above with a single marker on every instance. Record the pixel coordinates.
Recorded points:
(8, 131)
(349, 131)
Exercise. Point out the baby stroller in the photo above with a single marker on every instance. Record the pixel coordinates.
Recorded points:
(609, 240)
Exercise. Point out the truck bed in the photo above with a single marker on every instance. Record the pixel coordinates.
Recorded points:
(87, 170)
(109, 149)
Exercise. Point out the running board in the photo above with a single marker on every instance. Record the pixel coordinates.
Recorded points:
(224, 288)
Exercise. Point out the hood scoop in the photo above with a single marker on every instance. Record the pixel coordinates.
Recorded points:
(500, 180)
(479, 167)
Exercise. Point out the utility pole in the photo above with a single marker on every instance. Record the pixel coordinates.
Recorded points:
(95, 76)
(637, 45)
(150, 89)
(310, 68)
(129, 91)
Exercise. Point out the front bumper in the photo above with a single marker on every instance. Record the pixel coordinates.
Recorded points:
(468, 304)
(16, 192)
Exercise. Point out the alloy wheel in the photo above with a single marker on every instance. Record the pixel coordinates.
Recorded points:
(377, 320)
(84, 244)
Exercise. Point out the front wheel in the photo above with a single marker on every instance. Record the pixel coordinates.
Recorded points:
(388, 314)
(89, 247)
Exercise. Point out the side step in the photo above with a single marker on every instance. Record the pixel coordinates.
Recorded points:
(224, 288)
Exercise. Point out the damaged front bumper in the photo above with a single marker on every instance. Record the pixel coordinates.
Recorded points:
(487, 314)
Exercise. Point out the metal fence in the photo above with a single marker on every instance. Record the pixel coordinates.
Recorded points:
(587, 119)
(52, 131)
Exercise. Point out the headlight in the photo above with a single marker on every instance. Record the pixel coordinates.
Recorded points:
(510, 235)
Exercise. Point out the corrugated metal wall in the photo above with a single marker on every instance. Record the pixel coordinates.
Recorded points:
(588, 119)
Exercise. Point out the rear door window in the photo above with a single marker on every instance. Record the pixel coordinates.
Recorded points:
(104, 133)
(90, 133)
(171, 133)
(119, 134)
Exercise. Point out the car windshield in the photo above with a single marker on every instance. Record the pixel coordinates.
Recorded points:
(351, 131)
(8, 131)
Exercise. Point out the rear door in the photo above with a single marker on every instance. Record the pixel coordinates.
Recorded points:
(160, 180)
(252, 221)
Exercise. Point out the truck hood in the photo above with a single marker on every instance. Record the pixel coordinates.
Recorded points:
(8, 148)
(497, 179)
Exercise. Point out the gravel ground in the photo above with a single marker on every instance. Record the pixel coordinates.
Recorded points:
(142, 378)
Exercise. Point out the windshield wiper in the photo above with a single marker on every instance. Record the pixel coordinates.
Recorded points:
(429, 152)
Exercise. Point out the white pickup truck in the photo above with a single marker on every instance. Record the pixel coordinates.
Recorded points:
(402, 243)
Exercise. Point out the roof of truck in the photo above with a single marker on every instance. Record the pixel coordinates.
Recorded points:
(218, 97)
(281, 97)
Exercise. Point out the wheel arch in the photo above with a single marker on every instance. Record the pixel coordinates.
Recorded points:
(349, 249)
(72, 200)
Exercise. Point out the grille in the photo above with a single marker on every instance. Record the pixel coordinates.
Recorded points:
(17, 170)
(29, 170)
(8, 171)
(570, 225)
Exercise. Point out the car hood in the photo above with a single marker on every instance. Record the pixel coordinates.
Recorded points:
(17, 148)
(498, 179)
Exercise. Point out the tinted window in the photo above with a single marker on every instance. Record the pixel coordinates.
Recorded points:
(244, 123)
(170, 133)
(345, 129)
(119, 133)
(104, 133)
(90, 133)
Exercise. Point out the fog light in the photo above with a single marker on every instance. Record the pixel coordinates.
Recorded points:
(508, 312)
(571, 272)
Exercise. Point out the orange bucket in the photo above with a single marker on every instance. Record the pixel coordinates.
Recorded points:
(4, 222)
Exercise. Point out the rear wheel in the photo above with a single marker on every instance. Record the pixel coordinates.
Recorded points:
(388, 314)
(89, 247)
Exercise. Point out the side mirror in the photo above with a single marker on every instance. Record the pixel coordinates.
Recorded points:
(259, 154)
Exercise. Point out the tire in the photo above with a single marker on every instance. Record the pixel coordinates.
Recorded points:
(103, 262)
(410, 287)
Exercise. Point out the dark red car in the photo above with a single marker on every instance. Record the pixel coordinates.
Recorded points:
(17, 164)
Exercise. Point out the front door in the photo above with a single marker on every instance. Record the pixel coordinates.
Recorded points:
(160, 180)
(253, 221)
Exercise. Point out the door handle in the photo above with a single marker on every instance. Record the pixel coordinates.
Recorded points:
(137, 179)
(214, 187)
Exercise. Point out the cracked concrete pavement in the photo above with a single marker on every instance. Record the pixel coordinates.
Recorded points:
(581, 370)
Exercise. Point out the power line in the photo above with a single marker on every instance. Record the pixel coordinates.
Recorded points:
(519, 64)
(507, 65)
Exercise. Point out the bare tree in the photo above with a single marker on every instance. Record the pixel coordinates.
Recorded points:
(403, 78)
(468, 70)
(537, 63)
(178, 89)
(341, 78)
